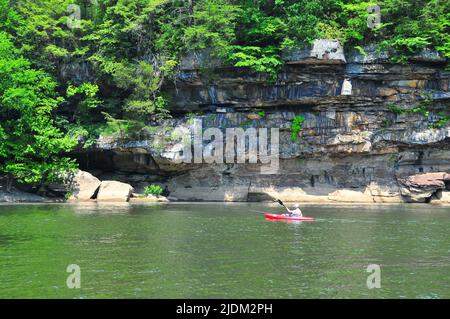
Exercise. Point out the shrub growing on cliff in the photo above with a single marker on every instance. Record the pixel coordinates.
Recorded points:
(154, 190)
(297, 126)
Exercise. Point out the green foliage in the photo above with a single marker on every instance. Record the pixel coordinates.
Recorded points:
(154, 190)
(213, 27)
(297, 126)
(443, 121)
(423, 107)
(191, 117)
(264, 60)
(411, 26)
(120, 128)
(68, 195)
(396, 109)
(246, 124)
(387, 123)
(361, 50)
(31, 144)
(261, 113)
(82, 99)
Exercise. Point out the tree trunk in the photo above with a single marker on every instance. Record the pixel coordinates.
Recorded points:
(9, 182)
(191, 12)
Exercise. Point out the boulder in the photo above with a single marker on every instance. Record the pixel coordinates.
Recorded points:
(83, 186)
(419, 188)
(113, 191)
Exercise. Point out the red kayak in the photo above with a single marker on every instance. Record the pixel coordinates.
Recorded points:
(283, 217)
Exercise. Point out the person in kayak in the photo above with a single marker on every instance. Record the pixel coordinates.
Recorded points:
(296, 212)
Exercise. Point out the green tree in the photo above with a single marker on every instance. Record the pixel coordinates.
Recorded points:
(31, 145)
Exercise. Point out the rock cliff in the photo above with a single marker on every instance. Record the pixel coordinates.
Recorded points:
(369, 125)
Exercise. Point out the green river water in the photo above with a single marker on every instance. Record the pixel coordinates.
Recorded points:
(210, 250)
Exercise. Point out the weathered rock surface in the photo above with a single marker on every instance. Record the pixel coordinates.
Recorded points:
(149, 199)
(441, 197)
(17, 196)
(420, 187)
(384, 193)
(211, 194)
(323, 51)
(351, 196)
(83, 186)
(113, 191)
(351, 147)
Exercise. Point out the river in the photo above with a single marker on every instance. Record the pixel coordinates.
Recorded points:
(216, 250)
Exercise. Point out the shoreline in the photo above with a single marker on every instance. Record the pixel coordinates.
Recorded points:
(303, 204)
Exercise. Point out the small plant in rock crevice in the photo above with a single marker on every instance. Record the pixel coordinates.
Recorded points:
(424, 108)
(297, 126)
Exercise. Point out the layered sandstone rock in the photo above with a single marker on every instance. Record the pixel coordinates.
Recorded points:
(351, 147)
(421, 187)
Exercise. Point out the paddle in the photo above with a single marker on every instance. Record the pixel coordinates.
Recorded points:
(281, 203)
(257, 211)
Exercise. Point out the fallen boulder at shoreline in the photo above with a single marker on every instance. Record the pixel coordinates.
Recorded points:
(421, 187)
(113, 191)
(83, 186)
